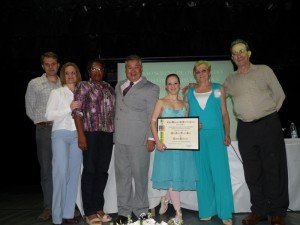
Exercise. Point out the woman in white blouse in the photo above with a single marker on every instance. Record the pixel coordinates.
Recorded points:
(67, 157)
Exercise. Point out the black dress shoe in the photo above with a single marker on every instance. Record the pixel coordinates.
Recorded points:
(277, 220)
(70, 221)
(253, 219)
(122, 219)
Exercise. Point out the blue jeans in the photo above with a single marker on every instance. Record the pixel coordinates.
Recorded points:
(66, 163)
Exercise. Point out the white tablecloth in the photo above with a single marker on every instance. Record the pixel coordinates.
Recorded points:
(239, 186)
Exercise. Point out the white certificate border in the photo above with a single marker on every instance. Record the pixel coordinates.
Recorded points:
(181, 118)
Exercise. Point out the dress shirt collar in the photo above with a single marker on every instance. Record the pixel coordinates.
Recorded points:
(127, 83)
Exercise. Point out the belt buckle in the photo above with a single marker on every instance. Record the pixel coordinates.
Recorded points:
(46, 123)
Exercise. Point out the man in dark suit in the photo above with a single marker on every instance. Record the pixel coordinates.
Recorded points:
(133, 139)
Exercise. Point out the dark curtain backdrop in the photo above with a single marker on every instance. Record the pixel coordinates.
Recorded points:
(112, 29)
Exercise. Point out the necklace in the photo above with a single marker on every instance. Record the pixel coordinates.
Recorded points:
(171, 99)
(204, 87)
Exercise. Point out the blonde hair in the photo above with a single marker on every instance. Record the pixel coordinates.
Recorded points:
(201, 62)
(63, 76)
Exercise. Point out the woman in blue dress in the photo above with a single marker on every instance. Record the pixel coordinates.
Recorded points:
(173, 170)
(207, 100)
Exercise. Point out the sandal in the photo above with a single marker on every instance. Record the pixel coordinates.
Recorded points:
(94, 221)
(206, 219)
(164, 203)
(175, 221)
(227, 222)
(103, 216)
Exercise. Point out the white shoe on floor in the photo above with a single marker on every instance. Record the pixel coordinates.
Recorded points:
(164, 203)
(227, 222)
(206, 219)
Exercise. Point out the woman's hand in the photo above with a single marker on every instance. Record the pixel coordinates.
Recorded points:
(184, 89)
(200, 125)
(82, 142)
(227, 140)
(75, 105)
(160, 146)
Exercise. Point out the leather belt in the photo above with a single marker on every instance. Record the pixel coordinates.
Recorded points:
(265, 117)
(261, 119)
(45, 124)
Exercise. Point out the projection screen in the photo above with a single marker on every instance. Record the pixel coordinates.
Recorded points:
(156, 72)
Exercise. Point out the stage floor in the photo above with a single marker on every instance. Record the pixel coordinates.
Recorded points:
(22, 205)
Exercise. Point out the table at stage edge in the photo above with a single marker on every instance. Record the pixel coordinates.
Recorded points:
(239, 186)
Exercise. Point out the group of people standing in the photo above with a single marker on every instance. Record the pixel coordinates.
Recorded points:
(82, 120)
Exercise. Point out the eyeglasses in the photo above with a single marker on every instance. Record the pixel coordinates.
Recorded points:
(201, 71)
(240, 52)
(94, 69)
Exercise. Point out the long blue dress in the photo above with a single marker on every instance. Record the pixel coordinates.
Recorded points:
(214, 191)
(174, 169)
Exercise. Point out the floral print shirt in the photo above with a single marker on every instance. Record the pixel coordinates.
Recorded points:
(97, 105)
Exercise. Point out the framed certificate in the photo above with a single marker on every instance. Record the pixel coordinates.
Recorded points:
(179, 133)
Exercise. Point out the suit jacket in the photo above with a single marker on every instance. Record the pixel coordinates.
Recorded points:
(134, 111)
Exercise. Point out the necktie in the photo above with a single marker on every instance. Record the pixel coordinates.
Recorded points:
(127, 88)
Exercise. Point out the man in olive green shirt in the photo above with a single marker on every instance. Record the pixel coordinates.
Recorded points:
(257, 97)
